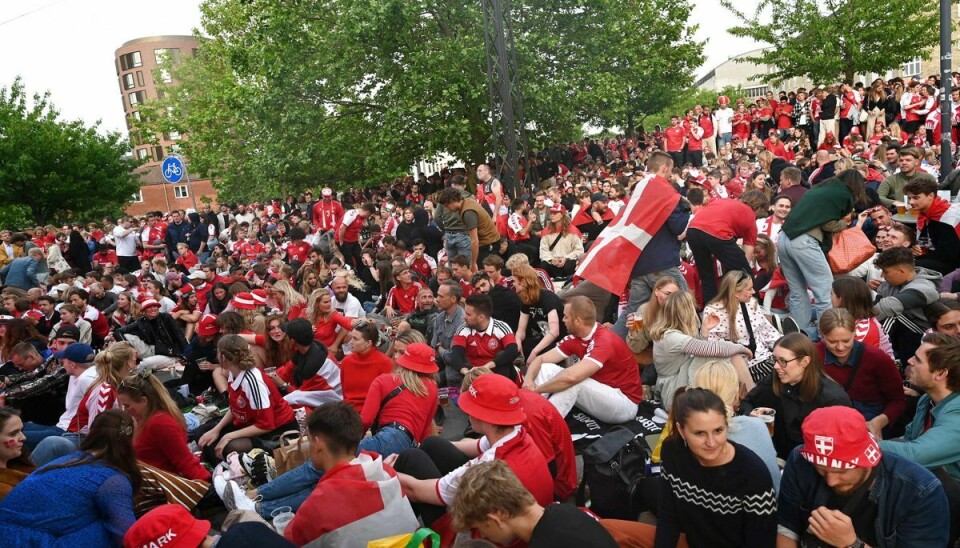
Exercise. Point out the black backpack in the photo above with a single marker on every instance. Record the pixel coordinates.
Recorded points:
(614, 468)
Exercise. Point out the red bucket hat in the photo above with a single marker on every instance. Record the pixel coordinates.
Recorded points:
(494, 399)
(259, 296)
(244, 301)
(419, 357)
(837, 437)
(169, 525)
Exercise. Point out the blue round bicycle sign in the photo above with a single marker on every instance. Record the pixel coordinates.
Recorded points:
(172, 169)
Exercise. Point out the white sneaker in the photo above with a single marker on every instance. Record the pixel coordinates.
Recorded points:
(235, 498)
(219, 485)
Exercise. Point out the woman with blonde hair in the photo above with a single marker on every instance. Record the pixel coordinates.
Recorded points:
(289, 301)
(541, 312)
(160, 434)
(310, 281)
(114, 363)
(258, 413)
(868, 375)
(127, 311)
(330, 327)
(402, 340)
(639, 322)
(678, 352)
(796, 389)
(735, 316)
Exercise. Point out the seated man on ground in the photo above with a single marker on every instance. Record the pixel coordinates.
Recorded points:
(932, 439)
(431, 474)
(359, 498)
(839, 489)
(483, 341)
(495, 504)
(605, 382)
(549, 431)
(902, 297)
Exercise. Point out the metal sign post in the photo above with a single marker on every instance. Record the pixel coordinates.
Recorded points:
(174, 170)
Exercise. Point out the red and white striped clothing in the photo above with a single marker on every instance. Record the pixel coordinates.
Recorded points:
(255, 402)
(98, 399)
(354, 224)
(770, 227)
(515, 224)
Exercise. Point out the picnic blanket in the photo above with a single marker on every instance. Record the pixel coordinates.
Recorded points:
(584, 429)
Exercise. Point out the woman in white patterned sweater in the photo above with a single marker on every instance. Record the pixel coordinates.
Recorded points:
(715, 492)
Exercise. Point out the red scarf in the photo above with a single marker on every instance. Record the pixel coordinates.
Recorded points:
(935, 212)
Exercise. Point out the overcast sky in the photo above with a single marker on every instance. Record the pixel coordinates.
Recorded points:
(67, 46)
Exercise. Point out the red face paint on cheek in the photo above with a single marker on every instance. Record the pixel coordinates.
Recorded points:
(10, 443)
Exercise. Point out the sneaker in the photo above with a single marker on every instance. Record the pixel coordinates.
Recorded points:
(234, 498)
(219, 485)
(259, 467)
(789, 325)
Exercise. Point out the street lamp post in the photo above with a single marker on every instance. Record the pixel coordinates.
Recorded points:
(946, 88)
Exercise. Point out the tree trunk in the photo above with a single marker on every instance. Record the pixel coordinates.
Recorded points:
(630, 131)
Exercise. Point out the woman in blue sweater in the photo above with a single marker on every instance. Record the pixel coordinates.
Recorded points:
(83, 499)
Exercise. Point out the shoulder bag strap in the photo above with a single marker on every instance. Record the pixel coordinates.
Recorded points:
(857, 360)
(746, 320)
(383, 403)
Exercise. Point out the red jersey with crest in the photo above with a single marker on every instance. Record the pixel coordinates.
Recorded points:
(255, 402)
(482, 346)
(617, 366)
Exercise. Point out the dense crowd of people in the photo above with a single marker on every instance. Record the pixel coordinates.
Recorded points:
(794, 315)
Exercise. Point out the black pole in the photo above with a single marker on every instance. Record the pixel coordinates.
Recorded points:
(946, 89)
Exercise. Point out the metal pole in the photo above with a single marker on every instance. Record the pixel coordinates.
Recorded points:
(946, 88)
(166, 197)
(186, 173)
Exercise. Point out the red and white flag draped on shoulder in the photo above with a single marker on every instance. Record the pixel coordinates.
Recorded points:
(612, 256)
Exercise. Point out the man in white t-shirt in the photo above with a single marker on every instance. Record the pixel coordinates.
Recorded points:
(722, 120)
(125, 238)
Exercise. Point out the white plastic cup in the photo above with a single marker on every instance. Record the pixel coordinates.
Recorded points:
(281, 518)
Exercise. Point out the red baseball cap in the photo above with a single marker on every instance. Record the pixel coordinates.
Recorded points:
(494, 399)
(208, 326)
(419, 357)
(147, 303)
(558, 208)
(837, 437)
(170, 526)
(327, 191)
(34, 314)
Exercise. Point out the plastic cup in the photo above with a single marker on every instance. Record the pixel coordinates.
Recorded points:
(281, 518)
(769, 416)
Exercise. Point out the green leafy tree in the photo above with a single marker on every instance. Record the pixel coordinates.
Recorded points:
(682, 102)
(824, 40)
(285, 95)
(58, 170)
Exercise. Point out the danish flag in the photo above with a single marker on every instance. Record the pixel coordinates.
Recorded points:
(612, 256)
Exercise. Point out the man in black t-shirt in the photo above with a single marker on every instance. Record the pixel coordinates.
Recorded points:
(493, 502)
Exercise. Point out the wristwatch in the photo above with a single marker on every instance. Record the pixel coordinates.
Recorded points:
(856, 544)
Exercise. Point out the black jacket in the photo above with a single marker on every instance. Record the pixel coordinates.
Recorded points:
(162, 333)
(828, 108)
(791, 411)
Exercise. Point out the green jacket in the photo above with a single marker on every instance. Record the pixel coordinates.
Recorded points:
(938, 446)
(891, 189)
(829, 201)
